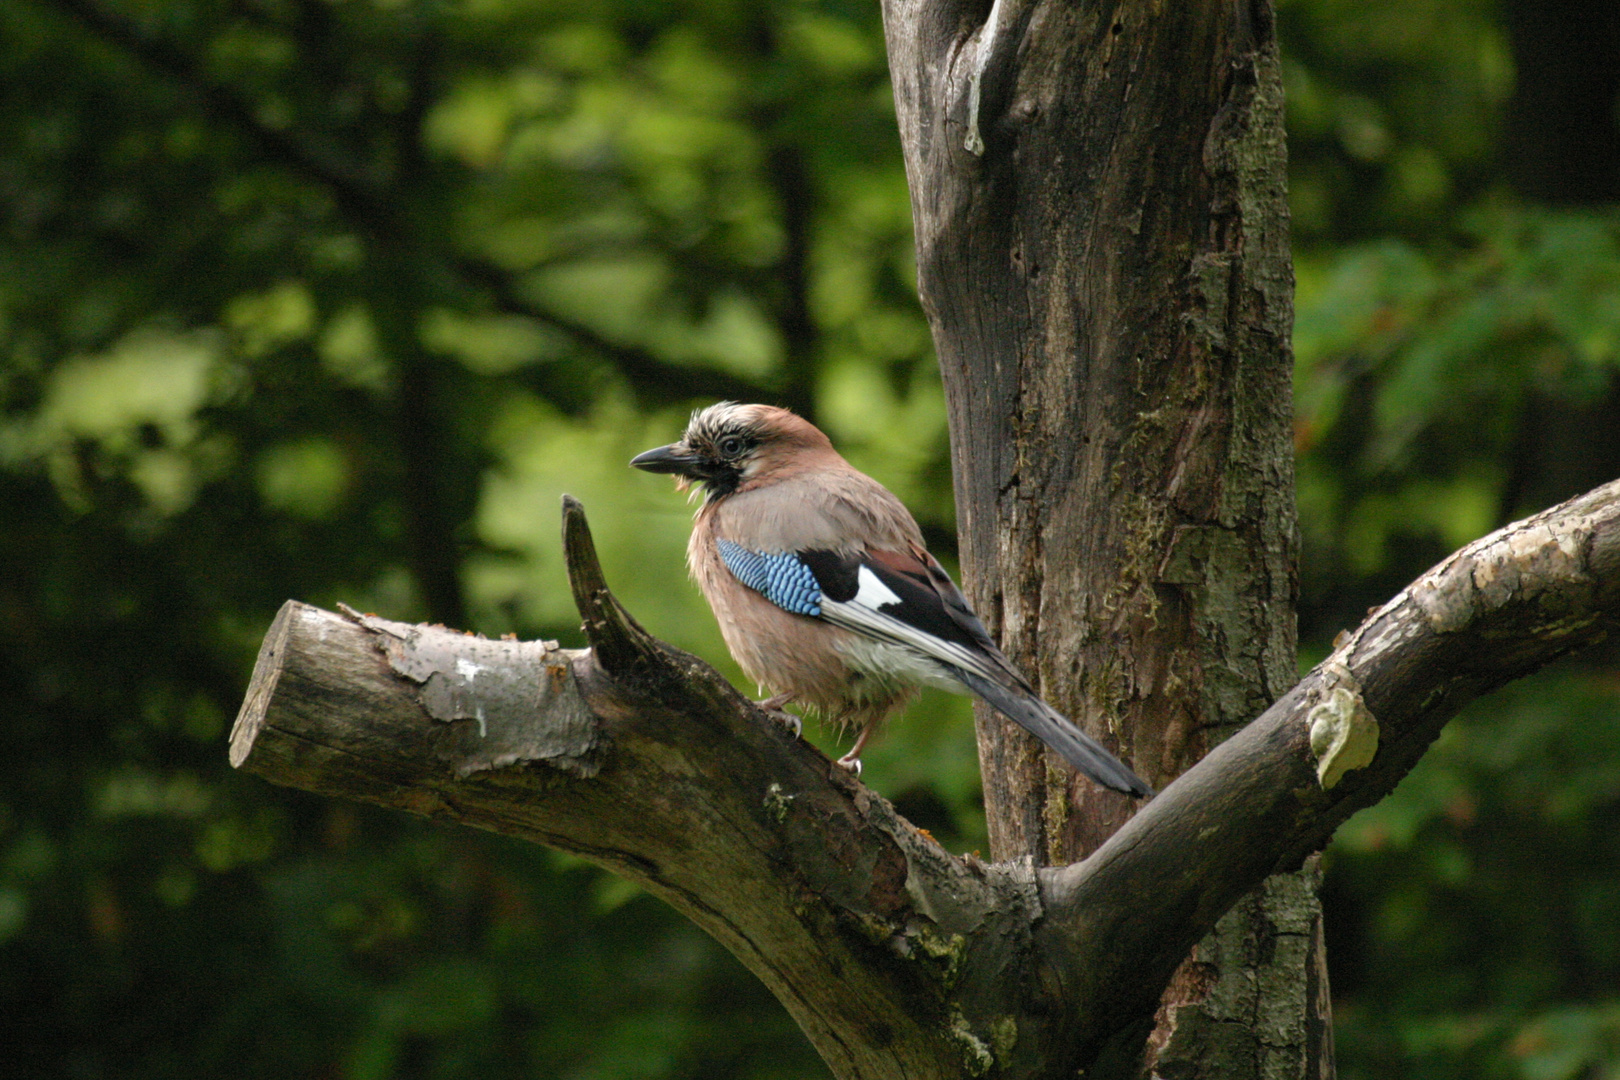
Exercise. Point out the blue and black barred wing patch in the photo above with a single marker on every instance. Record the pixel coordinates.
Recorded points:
(889, 596)
(781, 577)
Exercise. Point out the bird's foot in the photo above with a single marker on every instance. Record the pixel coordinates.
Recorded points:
(773, 707)
(852, 760)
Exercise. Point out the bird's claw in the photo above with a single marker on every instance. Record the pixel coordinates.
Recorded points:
(787, 720)
(773, 708)
(850, 763)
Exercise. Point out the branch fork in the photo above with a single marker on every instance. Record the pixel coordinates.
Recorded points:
(897, 958)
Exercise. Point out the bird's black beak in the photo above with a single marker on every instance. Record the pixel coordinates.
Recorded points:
(671, 459)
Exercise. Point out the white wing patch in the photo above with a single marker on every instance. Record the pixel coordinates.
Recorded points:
(872, 592)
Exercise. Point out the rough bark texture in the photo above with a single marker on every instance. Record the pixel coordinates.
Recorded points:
(899, 960)
(1098, 192)
(645, 761)
(1462, 630)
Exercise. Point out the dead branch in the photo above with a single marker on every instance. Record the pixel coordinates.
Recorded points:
(898, 959)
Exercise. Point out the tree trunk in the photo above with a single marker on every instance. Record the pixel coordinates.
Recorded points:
(1102, 237)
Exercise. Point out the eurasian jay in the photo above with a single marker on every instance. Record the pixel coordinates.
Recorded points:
(824, 591)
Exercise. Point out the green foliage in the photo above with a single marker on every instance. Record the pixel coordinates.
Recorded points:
(1422, 373)
(1395, 113)
(1457, 358)
(1491, 870)
(332, 299)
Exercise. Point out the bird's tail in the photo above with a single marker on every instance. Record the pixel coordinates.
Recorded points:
(1057, 731)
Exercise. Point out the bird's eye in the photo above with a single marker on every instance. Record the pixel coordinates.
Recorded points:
(731, 446)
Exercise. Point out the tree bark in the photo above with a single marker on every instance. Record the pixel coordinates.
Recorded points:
(1102, 234)
(898, 959)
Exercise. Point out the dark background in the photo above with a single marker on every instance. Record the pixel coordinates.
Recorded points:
(331, 299)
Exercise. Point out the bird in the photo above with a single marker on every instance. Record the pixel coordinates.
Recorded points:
(825, 593)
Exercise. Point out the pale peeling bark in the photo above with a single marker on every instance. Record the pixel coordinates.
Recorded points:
(898, 959)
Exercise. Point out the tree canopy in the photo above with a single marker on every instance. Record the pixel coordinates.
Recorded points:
(331, 300)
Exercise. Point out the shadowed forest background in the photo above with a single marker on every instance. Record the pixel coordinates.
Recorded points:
(332, 299)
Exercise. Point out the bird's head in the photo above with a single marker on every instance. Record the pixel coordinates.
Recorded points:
(728, 445)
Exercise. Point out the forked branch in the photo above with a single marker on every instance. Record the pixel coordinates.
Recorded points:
(898, 959)
(1498, 609)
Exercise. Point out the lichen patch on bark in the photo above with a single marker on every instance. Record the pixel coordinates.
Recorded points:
(1344, 735)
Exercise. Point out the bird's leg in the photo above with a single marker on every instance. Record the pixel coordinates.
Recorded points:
(852, 760)
(773, 705)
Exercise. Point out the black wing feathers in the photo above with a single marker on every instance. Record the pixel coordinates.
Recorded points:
(930, 602)
(838, 575)
(921, 604)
